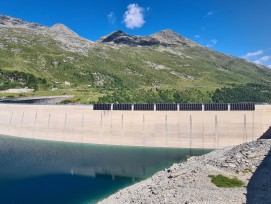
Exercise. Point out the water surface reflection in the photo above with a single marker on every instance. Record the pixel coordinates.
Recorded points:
(34, 171)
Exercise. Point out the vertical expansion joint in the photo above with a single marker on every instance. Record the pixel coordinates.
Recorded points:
(122, 121)
(190, 124)
(190, 132)
(36, 118)
(101, 119)
(11, 118)
(65, 119)
(143, 129)
(143, 119)
(245, 127)
(83, 118)
(216, 132)
(166, 129)
(22, 118)
(49, 116)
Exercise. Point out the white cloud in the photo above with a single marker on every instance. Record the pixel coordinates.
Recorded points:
(134, 16)
(197, 36)
(212, 43)
(253, 54)
(209, 14)
(269, 66)
(262, 59)
(111, 18)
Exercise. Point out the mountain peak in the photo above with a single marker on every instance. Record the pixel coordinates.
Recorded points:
(121, 38)
(62, 29)
(170, 37)
(164, 38)
(114, 37)
(169, 31)
(70, 40)
(59, 26)
(119, 32)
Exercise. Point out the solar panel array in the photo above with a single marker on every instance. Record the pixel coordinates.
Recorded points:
(242, 106)
(144, 107)
(190, 107)
(122, 106)
(166, 107)
(101, 106)
(174, 107)
(216, 107)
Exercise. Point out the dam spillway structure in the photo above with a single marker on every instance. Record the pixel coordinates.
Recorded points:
(209, 126)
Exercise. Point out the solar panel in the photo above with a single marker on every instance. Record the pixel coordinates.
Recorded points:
(242, 106)
(143, 107)
(101, 106)
(166, 107)
(122, 106)
(216, 107)
(190, 107)
(174, 107)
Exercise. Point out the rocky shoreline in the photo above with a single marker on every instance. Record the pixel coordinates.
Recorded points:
(188, 182)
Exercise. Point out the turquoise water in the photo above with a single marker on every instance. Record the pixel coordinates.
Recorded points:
(34, 171)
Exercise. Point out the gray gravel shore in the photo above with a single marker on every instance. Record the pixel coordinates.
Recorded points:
(188, 182)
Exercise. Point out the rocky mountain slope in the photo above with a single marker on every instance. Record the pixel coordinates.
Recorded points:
(189, 182)
(163, 38)
(66, 38)
(70, 63)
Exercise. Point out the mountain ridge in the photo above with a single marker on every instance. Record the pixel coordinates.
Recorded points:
(164, 60)
(165, 37)
(68, 39)
(7, 21)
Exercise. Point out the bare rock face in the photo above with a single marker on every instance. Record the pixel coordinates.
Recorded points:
(6, 21)
(163, 38)
(172, 38)
(67, 39)
(121, 38)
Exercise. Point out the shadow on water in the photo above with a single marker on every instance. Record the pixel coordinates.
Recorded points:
(267, 134)
(259, 186)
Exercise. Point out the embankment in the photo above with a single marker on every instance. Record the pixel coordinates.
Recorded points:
(185, 129)
(189, 182)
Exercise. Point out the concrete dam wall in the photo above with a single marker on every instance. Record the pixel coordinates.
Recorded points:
(180, 129)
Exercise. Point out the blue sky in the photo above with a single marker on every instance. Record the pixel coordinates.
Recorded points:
(237, 27)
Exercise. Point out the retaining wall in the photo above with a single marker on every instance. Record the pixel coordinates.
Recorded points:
(185, 129)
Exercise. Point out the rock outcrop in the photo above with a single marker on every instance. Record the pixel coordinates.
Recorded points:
(189, 182)
(9, 22)
(69, 40)
(163, 38)
(121, 38)
(65, 37)
(172, 38)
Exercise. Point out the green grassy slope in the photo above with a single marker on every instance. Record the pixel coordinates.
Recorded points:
(106, 69)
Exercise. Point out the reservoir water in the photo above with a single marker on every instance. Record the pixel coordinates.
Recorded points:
(35, 171)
